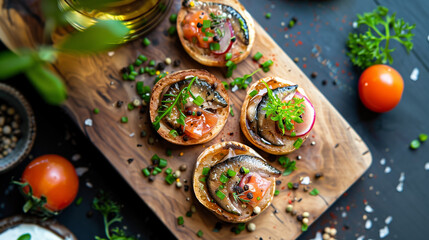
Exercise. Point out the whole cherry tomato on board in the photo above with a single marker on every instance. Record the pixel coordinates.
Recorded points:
(53, 177)
(380, 88)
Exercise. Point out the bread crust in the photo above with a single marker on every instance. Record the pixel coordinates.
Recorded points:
(206, 159)
(155, 100)
(276, 150)
(210, 60)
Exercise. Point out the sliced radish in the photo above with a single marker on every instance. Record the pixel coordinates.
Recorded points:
(309, 118)
(225, 42)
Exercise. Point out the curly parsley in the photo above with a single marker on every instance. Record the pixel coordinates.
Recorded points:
(373, 46)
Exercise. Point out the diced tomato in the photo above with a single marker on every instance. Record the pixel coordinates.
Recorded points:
(198, 126)
(258, 186)
(194, 34)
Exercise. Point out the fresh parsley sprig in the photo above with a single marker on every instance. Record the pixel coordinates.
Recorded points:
(243, 82)
(178, 101)
(238, 197)
(287, 164)
(284, 112)
(374, 46)
(110, 211)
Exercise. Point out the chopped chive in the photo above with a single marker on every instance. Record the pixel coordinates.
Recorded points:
(206, 171)
(257, 56)
(223, 178)
(267, 63)
(133, 73)
(141, 70)
(214, 46)
(173, 18)
(423, 137)
(289, 185)
(209, 34)
(79, 201)
(314, 192)
(205, 39)
(231, 173)
(142, 58)
(266, 69)
(138, 62)
(172, 30)
(124, 119)
(202, 179)
(297, 144)
(180, 220)
(131, 77)
(253, 93)
(139, 88)
(228, 56)
(231, 110)
(162, 163)
(206, 23)
(200, 233)
(131, 68)
(96, 110)
(155, 172)
(168, 152)
(131, 106)
(198, 101)
(155, 159)
(245, 170)
(221, 187)
(174, 133)
(146, 42)
(170, 179)
(225, 85)
(157, 169)
(145, 172)
(415, 144)
(168, 171)
(229, 73)
(304, 227)
(152, 63)
(220, 195)
(125, 76)
(276, 193)
(268, 15)
(229, 64)
(293, 134)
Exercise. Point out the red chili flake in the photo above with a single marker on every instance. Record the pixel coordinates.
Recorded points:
(333, 216)
(337, 64)
(286, 28)
(343, 71)
(299, 23)
(299, 33)
(299, 42)
(345, 194)
(365, 201)
(287, 44)
(308, 32)
(304, 66)
(288, 194)
(348, 208)
(283, 188)
(266, 29)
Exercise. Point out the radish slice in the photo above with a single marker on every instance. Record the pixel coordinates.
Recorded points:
(225, 42)
(309, 118)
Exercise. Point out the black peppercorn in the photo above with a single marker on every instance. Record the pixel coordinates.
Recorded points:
(189, 112)
(295, 185)
(233, 39)
(239, 189)
(199, 113)
(119, 104)
(250, 195)
(314, 74)
(160, 66)
(324, 82)
(242, 170)
(299, 217)
(151, 178)
(176, 62)
(246, 187)
(199, 25)
(278, 182)
(216, 38)
(125, 70)
(319, 175)
(185, 138)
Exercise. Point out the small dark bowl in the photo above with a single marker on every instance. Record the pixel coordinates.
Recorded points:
(12, 97)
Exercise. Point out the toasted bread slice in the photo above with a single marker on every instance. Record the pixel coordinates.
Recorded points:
(210, 157)
(164, 83)
(253, 137)
(239, 50)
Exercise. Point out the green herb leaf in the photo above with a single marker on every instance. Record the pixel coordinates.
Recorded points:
(223, 178)
(290, 185)
(200, 233)
(287, 164)
(220, 195)
(25, 236)
(253, 93)
(198, 101)
(231, 110)
(103, 35)
(243, 82)
(314, 192)
(276, 192)
(13, 64)
(180, 220)
(297, 144)
(49, 85)
(231, 173)
(415, 144)
(206, 171)
(174, 133)
(423, 137)
(374, 45)
(304, 227)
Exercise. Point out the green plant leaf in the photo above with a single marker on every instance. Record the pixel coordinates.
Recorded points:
(12, 64)
(103, 35)
(50, 86)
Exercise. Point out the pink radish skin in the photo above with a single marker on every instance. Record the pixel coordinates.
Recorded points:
(226, 38)
(309, 118)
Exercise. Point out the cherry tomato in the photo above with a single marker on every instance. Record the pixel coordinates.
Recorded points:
(380, 88)
(53, 177)
(197, 126)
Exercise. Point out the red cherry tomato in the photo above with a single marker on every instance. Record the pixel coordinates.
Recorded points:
(53, 177)
(380, 88)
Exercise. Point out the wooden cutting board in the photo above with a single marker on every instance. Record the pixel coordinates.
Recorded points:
(95, 82)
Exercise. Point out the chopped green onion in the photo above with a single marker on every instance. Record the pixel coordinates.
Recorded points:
(267, 63)
(189, 214)
(314, 192)
(253, 93)
(209, 34)
(231, 173)
(276, 192)
(198, 101)
(155, 159)
(423, 137)
(172, 30)
(231, 110)
(228, 56)
(131, 77)
(174, 133)
(155, 172)
(290, 185)
(293, 134)
(79, 201)
(131, 106)
(168, 171)
(141, 70)
(162, 163)
(142, 58)
(152, 63)
(223, 178)
(133, 73)
(131, 68)
(25, 236)
(125, 76)
(266, 69)
(96, 111)
(173, 18)
(168, 152)
(257, 56)
(205, 39)
(230, 64)
(180, 220)
(138, 62)
(170, 179)
(415, 144)
(202, 179)
(221, 187)
(157, 169)
(206, 23)
(304, 227)
(297, 144)
(220, 195)
(146, 42)
(145, 172)
(214, 46)
(124, 119)
(268, 15)
(139, 88)
(246, 171)
(206, 171)
(200, 233)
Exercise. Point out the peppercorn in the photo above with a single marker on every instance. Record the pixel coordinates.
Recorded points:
(319, 175)
(295, 185)
(199, 25)
(199, 113)
(278, 182)
(249, 195)
(314, 74)
(305, 221)
(189, 112)
(160, 66)
(178, 184)
(251, 227)
(305, 214)
(256, 210)
(239, 189)
(324, 82)
(183, 167)
(242, 170)
(289, 208)
(185, 138)
(246, 187)
(119, 104)
(176, 62)
(299, 217)
(216, 38)
(151, 178)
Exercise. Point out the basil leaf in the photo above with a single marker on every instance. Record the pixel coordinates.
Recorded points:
(12, 64)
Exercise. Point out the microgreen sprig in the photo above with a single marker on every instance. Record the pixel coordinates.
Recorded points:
(367, 49)
(238, 197)
(243, 82)
(284, 112)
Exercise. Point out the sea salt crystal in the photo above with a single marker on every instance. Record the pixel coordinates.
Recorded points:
(415, 74)
(81, 170)
(427, 166)
(132, 134)
(388, 220)
(88, 122)
(282, 24)
(368, 224)
(235, 88)
(382, 161)
(387, 169)
(384, 232)
(369, 209)
(305, 181)
(76, 157)
(400, 187)
(402, 177)
(89, 184)
(286, 36)
(343, 214)
(361, 237)
(111, 53)
(318, 236)
(355, 25)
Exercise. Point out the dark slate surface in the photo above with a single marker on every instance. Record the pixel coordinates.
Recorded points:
(322, 26)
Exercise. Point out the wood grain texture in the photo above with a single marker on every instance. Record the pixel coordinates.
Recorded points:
(95, 81)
